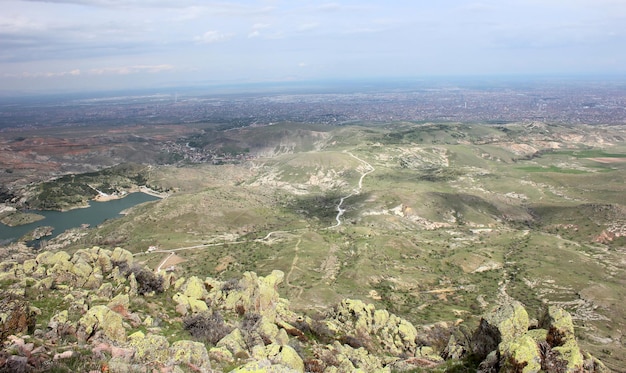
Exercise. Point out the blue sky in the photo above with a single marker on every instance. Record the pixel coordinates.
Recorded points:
(110, 44)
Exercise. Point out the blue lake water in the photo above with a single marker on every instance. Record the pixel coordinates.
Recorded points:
(95, 214)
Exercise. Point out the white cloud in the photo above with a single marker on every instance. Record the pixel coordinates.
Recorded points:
(308, 26)
(211, 37)
(119, 70)
(125, 70)
(47, 74)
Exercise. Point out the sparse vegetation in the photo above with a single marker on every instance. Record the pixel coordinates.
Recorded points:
(451, 217)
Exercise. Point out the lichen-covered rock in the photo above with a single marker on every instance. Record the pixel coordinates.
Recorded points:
(189, 352)
(120, 255)
(251, 294)
(263, 366)
(60, 325)
(235, 343)
(194, 288)
(280, 355)
(149, 348)
(502, 324)
(182, 303)
(94, 281)
(105, 290)
(102, 318)
(48, 258)
(538, 335)
(133, 286)
(356, 319)
(221, 355)
(82, 270)
(354, 359)
(561, 337)
(120, 304)
(520, 354)
(16, 316)
(29, 266)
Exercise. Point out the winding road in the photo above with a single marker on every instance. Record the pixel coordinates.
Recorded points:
(356, 191)
(367, 169)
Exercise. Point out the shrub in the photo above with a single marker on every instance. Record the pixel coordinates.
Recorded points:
(147, 281)
(207, 326)
(232, 284)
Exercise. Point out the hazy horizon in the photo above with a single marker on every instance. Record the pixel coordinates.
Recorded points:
(96, 45)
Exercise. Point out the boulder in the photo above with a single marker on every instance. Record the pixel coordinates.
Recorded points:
(29, 266)
(520, 354)
(221, 355)
(16, 316)
(365, 325)
(279, 355)
(190, 353)
(105, 290)
(120, 304)
(268, 331)
(263, 366)
(194, 288)
(102, 318)
(133, 286)
(120, 255)
(251, 294)
(60, 325)
(561, 337)
(149, 348)
(235, 343)
(502, 324)
(48, 258)
(355, 359)
(197, 305)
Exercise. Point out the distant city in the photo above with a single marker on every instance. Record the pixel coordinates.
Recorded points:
(565, 101)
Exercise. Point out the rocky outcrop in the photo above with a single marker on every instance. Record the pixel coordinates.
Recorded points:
(375, 328)
(16, 316)
(505, 343)
(109, 313)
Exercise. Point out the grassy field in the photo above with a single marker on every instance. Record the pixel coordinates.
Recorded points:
(449, 217)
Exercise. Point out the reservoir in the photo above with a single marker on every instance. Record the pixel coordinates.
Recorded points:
(95, 214)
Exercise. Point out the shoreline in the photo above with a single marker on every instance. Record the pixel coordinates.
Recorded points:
(142, 189)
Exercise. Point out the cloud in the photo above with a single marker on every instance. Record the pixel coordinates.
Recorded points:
(256, 29)
(120, 70)
(308, 26)
(125, 70)
(58, 74)
(211, 37)
(329, 7)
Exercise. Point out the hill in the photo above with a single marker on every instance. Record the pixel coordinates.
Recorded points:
(98, 310)
(432, 222)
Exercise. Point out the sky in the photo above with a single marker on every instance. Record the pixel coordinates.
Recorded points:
(73, 45)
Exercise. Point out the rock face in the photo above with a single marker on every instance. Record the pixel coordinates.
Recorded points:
(358, 320)
(16, 316)
(505, 344)
(102, 302)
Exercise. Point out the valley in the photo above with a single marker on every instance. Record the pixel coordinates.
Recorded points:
(435, 221)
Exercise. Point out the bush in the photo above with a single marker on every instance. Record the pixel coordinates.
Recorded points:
(232, 284)
(207, 326)
(147, 281)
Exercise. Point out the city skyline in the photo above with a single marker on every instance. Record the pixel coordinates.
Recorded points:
(73, 45)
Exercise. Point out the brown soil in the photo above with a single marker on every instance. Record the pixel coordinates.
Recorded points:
(609, 160)
(172, 261)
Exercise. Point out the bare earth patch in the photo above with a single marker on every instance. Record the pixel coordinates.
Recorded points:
(172, 260)
(608, 160)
